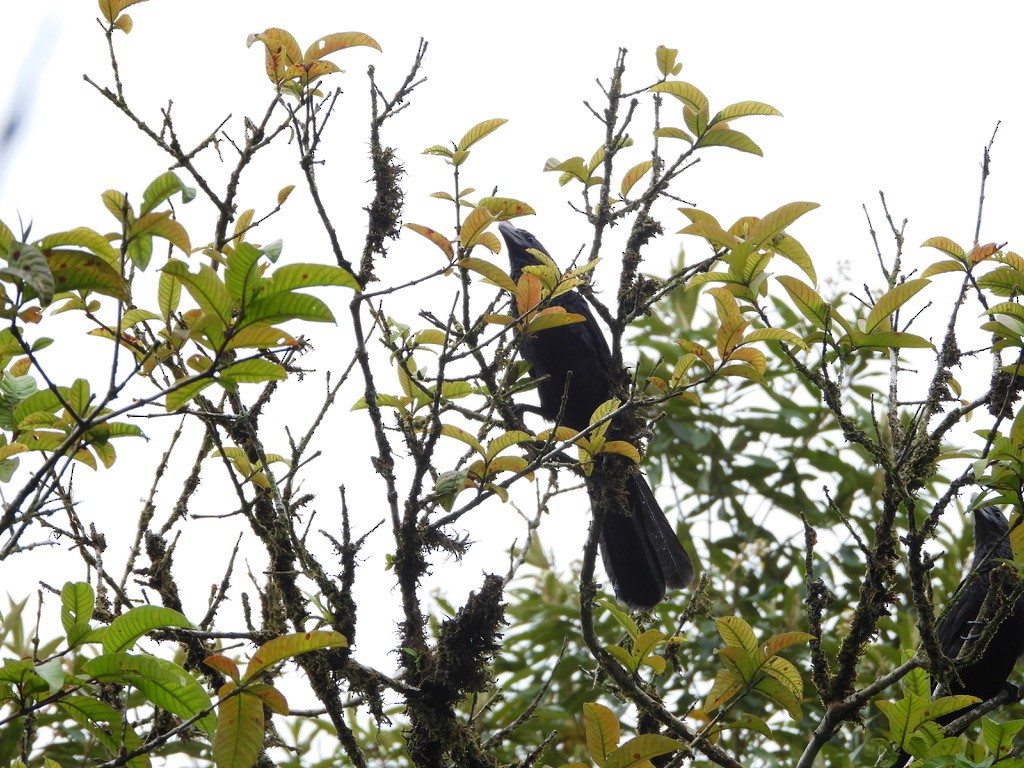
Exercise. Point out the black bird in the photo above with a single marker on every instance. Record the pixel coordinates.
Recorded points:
(641, 552)
(985, 677)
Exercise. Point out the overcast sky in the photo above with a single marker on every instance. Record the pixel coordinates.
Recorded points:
(900, 97)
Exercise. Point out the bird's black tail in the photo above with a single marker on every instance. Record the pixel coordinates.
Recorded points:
(640, 550)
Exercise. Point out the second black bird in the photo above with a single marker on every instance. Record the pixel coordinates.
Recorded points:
(986, 676)
(641, 552)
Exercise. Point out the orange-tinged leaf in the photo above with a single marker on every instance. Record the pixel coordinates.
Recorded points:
(983, 252)
(282, 51)
(602, 730)
(270, 696)
(633, 175)
(224, 665)
(335, 42)
(287, 646)
(479, 131)
(283, 194)
(529, 293)
(435, 237)
(698, 350)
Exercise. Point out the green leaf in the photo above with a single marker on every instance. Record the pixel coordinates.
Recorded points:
(774, 334)
(810, 304)
(941, 267)
(168, 295)
(744, 109)
(81, 271)
(737, 634)
(727, 137)
(242, 276)
(253, 372)
(161, 189)
(76, 603)
(686, 93)
(160, 224)
(101, 721)
(29, 269)
(129, 627)
(947, 246)
(295, 276)
(178, 397)
(87, 238)
(280, 307)
(890, 302)
(261, 337)
(674, 133)
(163, 683)
(205, 287)
(666, 58)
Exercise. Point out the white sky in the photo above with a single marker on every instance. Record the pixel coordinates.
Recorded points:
(900, 97)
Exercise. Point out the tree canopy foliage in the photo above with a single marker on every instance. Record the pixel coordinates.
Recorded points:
(818, 442)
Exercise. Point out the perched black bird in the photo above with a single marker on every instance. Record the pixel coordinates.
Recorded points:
(641, 552)
(986, 676)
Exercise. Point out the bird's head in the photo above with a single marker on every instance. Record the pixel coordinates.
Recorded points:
(991, 535)
(519, 242)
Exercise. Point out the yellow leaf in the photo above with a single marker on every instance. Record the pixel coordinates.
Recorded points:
(478, 131)
(602, 729)
(282, 51)
(477, 221)
(492, 272)
(335, 42)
